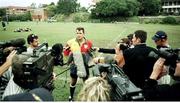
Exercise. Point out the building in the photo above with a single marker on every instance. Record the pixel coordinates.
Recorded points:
(39, 14)
(16, 10)
(171, 6)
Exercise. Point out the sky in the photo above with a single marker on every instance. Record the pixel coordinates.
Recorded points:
(25, 3)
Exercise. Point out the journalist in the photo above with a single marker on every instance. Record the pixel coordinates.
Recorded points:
(10, 47)
(7, 63)
(130, 37)
(5, 72)
(124, 43)
(38, 94)
(95, 89)
(164, 92)
(74, 48)
(136, 62)
(14, 84)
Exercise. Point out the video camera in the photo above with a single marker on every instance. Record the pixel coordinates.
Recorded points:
(171, 56)
(37, 70)
(122, 88)
(17, 44)
(124, 44)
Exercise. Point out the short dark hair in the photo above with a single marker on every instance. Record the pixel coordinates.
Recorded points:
(141, 34)
(31, 38)
(17, 64)
(80, 28)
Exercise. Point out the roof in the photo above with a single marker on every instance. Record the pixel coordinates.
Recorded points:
(16, 7)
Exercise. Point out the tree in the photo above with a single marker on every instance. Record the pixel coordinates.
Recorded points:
(2, 12)
(66, 6)
(149, 7)
(33, 5)
(110, 8)
(40, 5)
(83, 9)
(51, 10)
(52, 3)
(132, 7)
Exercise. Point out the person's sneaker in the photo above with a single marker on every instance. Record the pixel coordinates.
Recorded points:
(70, 99)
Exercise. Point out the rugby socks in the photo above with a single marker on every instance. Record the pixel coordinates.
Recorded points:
(72, 89)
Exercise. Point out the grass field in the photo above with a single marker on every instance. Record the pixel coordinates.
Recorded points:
(102, 35)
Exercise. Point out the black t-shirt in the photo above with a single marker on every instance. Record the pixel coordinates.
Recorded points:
(138, 65)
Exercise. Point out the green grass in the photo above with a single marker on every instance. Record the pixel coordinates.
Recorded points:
(102, 35)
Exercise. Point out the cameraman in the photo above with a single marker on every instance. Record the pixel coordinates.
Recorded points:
(14, 86)
(164, 92)
(8, 62)
(33, 42)
(137, 64)
(161, 40)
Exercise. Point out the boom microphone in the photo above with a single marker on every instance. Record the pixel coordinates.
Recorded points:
(19, 42)
(78, 60)
(56, 51)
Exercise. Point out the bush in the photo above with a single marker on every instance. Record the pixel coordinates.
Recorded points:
(60, 17)
(151, 21)
(95, 21)
(133, 19)
(81, 17)
(169, 20)
(20, 17)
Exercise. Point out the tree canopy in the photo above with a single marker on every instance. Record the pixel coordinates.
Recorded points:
(149, 7)
(2, 12)
(109, 8)
(67, 6)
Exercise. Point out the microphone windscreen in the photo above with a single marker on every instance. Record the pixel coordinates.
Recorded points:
(18, 42)
(79, 62)
(57, 48)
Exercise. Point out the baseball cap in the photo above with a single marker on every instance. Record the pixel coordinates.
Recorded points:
(38, 94)
(159, 35)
